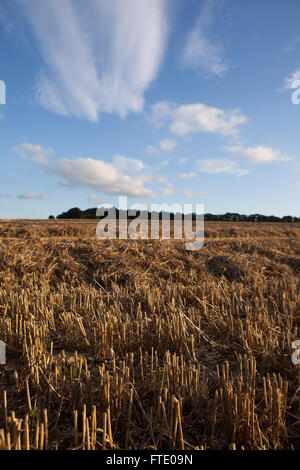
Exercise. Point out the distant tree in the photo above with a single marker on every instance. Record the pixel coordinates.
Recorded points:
(89, 213)
(73, 213)
(51, 217)
(253, 217)
(288, 218)
(273, 218)
(211, 217)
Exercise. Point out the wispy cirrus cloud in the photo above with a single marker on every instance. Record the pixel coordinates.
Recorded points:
(197, 117)
(95, 174)
(202, 51)
(33, 196)
(220, 165)
(12, 23)
(98, 59)
(163, 163)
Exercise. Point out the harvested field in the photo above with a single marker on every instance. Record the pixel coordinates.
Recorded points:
(144, 345)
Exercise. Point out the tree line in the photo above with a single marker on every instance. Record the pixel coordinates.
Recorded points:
(76, 213)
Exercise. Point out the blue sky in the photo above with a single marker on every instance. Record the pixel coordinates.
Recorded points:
(182, 101)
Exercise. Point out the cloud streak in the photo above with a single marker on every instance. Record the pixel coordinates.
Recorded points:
(220, 165)
(26, 196)
(98, 59)
(33, 196)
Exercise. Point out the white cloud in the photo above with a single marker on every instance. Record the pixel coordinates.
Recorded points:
(183, 160)
(186, 176)
(220, 165)
(198, 117)
(98, 59)
(161, 179)
(259, 154)
(168, 145)
(151, 150)
(191, 193)
(38, 154)
(129, 165)
(95, 199)
(161, 112)
(168, 191)
(32, 196)
(163, 163)
(102, 176)
(96, 174)
(293, 81)
(200, 52)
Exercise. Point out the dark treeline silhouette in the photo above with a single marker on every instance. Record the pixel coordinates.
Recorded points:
(76, 213)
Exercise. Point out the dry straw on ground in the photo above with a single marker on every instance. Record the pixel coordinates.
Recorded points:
(144, 345)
